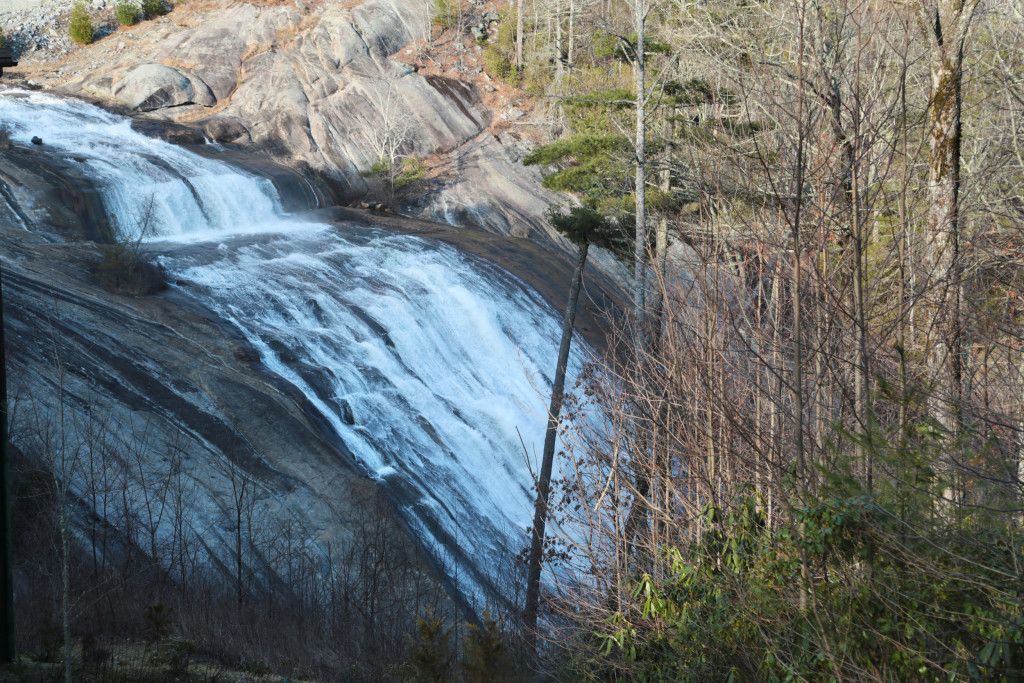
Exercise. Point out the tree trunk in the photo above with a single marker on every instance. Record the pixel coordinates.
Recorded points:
(797, 307)
(238, 555)
(558, 41)
(947, 23)
(8, 651)
(544, 481)
(571, 38)
(661, 232)
(944, 232)
(640, 247)
(65, 580)
(519, 37)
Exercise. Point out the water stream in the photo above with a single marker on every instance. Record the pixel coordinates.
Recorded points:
(432, 367)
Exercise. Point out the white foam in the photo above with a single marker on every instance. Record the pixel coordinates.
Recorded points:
(145, 181)
(444, 363)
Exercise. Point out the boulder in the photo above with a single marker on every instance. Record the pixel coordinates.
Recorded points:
(227, 130)
(155, 86)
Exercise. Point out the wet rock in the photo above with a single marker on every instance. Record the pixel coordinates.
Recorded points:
(346, 413)
(36, 140)
(285, 354)
(226, 130)
(316, 99)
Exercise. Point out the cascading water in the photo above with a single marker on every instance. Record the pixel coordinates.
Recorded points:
(185, 196)
(431, 367)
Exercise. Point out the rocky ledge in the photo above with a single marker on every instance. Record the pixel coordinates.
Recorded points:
(327, 86)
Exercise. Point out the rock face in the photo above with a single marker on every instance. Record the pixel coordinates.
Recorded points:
(35, 27)
(485, 184)
(163, 373)
(256, 401)
(315, 83)
(155, 86)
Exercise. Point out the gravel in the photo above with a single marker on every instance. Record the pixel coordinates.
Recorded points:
(37, 29)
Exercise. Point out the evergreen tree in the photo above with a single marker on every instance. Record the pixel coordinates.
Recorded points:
(583, 226)
(486, 658)
(81, 28)
(431, 658)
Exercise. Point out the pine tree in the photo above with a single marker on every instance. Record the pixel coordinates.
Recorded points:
(583, 226)
(486, 658)
(431, 658)
(80, 28)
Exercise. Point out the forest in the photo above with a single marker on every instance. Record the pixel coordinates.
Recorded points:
(810, 467)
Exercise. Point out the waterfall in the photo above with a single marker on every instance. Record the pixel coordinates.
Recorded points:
(176, 193)
(432, 367)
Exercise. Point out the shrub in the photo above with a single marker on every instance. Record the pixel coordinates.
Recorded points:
(431, 657)
(497, 63)
(124, 270)
(158, 621)
(128, 13)
(506, 37)
(895, 588)
(93, 654)
(380, 167)
(154, 8)
(486, 657)
(256, 668)
(179, 655)
(412, 171)
(80, 28)
(446, 13)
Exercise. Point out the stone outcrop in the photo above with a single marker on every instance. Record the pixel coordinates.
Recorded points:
(196, 384)
(155, 86)
(162, 366)
(318, 84)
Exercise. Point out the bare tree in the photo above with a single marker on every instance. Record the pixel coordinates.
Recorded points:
(540, 512)
(58, 440)
(520, 27)
(390, 134)
(641, 9)
(946, 24)
(8, 641)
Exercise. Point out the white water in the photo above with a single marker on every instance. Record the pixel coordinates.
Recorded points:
(190, 197)
(432, 368)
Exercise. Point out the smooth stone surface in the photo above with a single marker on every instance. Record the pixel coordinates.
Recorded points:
(155, 86)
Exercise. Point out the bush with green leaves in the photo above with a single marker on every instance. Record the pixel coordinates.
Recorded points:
(412, 171)
(154, 8)
(895, 587)
(80, 27)
(128, 13)
(446, 13)
(432, 658)
(499, 53)
(486, 657)
(497, 63)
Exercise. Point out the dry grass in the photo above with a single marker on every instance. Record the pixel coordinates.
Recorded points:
(170, 660)
(455, 55)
